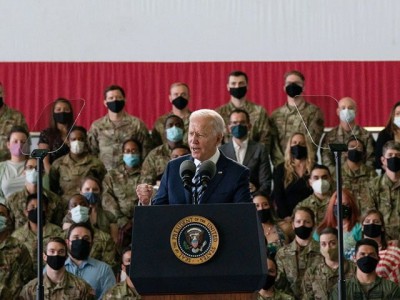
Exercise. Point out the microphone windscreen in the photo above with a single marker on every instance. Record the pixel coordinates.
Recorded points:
(187, 168)
(207, 168)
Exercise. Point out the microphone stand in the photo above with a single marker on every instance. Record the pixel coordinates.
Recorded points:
(40, 154)
(337, 150)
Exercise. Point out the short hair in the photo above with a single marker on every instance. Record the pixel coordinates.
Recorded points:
(367, 242)
(76, 195)
(218, 122)
(305, 209)
(294, 72)
(34, 197)
(132, 139)
(238, 73)
(79, 128)
(240, 111)
(55, 239)
(174, 116)
(353, 138)
(183, 146)
(179, 84)
(330, 230)
(81, 224)
(320, 167)
(113, 87)
(390, 145)
(17, 128)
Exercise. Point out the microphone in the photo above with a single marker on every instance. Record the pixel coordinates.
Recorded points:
(186, 172)
(207, 171)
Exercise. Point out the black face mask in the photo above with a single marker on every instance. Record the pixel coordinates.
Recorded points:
(80, 249)
(393, 164)
(264, 215)
(367, 264)
(303, 232)
(355, 155)
(239, 92)
(116, 106)
(269, 282)
(372, 230)
(128, 269)
(293, 90)
(298, 152)
(180, 102)
(1, 102)
(345, 209)
(63, 117)
(56, 262)
(32, 216)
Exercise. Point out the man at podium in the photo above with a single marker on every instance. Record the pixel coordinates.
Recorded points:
(230, 184)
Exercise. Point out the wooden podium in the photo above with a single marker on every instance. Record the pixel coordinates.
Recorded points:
(163, 269)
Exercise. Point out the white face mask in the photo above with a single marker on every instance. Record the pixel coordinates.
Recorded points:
(77, 147)
(321, 186)
(396, 121)
(80, 214)
(31, 176)
(347, 115)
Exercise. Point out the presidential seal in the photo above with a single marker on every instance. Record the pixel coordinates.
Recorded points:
(194, 240)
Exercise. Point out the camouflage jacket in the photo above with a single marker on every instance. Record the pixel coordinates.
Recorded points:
(121, 291)
(154, 165)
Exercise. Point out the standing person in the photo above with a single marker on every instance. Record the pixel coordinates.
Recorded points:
(57, 282)
(321, 277)
(294, 259)
(373, 225)
(179, 97)
(107, 133)
(16, 268)
(248, 152)
(286, 118)
(97, 273)
(389, 133)
(367, 284)
(119, 197)
(347, 128)
(155, 162)
(237, 86)
(290, 178)
(8, 118)
(53, 138)
(231, 180)
(124, 289)
(11, 171)
(384, 190)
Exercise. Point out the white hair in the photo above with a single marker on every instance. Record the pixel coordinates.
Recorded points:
(218, 122)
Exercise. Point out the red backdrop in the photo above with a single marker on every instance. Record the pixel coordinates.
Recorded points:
(31, 85)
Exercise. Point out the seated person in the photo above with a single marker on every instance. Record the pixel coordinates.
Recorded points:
(179, 151)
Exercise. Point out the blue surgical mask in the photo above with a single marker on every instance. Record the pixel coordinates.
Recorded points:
(92, 198)
(174, 134)
(131, 160)
(3, 223)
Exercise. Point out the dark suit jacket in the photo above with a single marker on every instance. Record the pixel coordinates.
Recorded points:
(230, 184)
(257, 160)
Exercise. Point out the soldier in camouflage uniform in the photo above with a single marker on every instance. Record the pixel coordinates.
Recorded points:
(320, 278)
(356, 175)
(119, 185)
(27, 234)
(286, 119)
(179, 97)
(322, 184)
(125, 289)
(347, 109)
(67, 171)
(154, 165)
(57, 282)
(8, 118)
(261, 130)
(107, 134)
(294, 259)
(16, 267)
(384, 190)
(16, 202)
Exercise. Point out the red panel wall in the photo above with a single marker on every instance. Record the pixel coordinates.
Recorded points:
(31, 85)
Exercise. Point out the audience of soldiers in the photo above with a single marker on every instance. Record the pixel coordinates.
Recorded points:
(89, 203)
